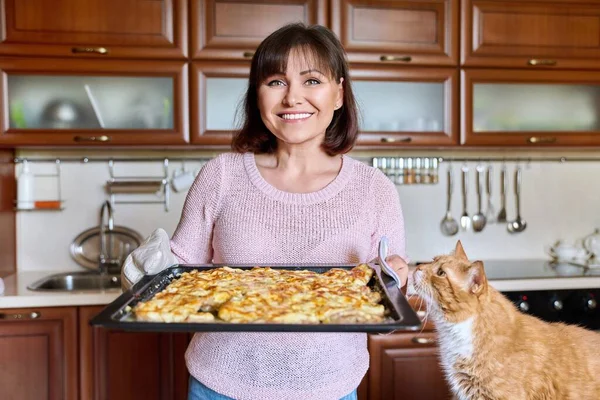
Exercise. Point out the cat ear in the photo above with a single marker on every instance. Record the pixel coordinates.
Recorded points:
(477, 279)
(459, 251)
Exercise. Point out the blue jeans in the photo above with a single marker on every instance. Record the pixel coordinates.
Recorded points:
(197, 391)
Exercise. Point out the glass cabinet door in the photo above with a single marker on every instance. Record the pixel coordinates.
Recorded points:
(405, 107)
(217, 94)
(69, 102)
(398, 107)
(531, 107)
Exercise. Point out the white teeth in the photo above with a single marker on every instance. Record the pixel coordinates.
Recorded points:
(295, 116)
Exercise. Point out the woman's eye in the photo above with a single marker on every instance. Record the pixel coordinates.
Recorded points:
(311, 82)
(275, 83)
(440, 272)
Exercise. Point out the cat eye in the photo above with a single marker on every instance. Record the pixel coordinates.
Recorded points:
(440, 272)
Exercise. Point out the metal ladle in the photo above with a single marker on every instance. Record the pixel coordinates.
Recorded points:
(479, 219)
(449, 226)
(519, 224)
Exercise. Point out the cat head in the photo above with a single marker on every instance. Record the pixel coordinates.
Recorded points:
(452, 286)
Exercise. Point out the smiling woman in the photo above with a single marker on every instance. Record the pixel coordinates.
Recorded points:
(298, 72)
(287, 194)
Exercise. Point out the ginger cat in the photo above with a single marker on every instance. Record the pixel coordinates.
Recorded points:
(491, 351)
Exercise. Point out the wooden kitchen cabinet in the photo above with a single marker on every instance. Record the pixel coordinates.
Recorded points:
(130, 365)
(405, 366)
(398, 32)
(403, 107)
(530, 108)
(94, 28)
(38, 354)
(232, 30)
(399, 106)
(66, 102)
(217, 92)
(530, 34)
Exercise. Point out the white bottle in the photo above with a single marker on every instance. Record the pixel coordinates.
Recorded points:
(25, 188)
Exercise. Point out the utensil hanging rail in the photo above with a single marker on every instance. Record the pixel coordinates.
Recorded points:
(519, 159)
(86, 160)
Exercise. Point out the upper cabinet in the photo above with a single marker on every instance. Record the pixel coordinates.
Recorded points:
(225, 29)
(531, 34)
(94, 28)
(406, 106)
(71, 102)
(531, 108)
(421, 32)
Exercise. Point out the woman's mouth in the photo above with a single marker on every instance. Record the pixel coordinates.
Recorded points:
(295, 117)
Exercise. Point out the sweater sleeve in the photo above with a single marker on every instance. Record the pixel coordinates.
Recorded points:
(192, 241)
(388, 217)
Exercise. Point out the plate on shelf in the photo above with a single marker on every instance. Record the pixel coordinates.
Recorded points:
(85, 248)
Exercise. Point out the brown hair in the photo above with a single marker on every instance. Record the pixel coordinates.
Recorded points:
(323, 47)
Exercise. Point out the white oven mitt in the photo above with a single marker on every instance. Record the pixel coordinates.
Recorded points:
(151, 257)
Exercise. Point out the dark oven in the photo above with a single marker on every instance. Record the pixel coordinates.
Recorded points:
(572, 306)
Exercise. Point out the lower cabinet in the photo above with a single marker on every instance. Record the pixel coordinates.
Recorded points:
(123, 365)
(38, 354)
(405, 366)
(39, 360)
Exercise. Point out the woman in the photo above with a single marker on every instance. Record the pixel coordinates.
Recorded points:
(287, 194)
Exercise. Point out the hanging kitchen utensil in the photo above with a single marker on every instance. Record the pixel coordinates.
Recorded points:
(479, 219)
(465, 220)
(490, 213)
(519, 224)
(449, 226)
(501, 219)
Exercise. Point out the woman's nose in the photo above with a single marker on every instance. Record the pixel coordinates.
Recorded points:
(293, 96)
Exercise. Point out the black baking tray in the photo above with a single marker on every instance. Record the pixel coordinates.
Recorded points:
(118, 315)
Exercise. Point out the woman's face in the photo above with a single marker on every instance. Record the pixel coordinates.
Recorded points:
(297, 107)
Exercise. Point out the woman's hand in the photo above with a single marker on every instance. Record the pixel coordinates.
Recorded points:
(400, 266)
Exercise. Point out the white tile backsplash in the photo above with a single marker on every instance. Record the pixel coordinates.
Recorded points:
(559, 201)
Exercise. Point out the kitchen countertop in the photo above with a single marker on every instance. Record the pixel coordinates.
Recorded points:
(504, 275)
(16, 294)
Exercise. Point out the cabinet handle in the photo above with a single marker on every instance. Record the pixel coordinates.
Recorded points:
(102, 138)
(423, 340)
(396, 58)
(248, 54)
(31, 315)
(394, 140)
(535, 61)
(98, 50)
(543, 139)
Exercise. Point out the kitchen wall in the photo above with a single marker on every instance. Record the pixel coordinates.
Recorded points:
(559, 201)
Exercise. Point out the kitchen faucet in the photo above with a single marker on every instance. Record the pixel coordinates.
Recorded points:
(105, 259)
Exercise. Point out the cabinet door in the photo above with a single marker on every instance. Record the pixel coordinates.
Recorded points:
(94, 28)
(405, 366)
(531, 108)
(535, 34)
(226, 29)
(216, 102)
(398, 32)
(130, 365)
(38, 354)
(84, 102)
(406, 107)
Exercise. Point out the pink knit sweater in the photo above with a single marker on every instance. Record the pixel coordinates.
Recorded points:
(232, 215)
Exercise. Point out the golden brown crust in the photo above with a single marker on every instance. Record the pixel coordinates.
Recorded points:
(267, 295)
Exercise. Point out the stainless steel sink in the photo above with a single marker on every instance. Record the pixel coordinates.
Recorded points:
(77, 281)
